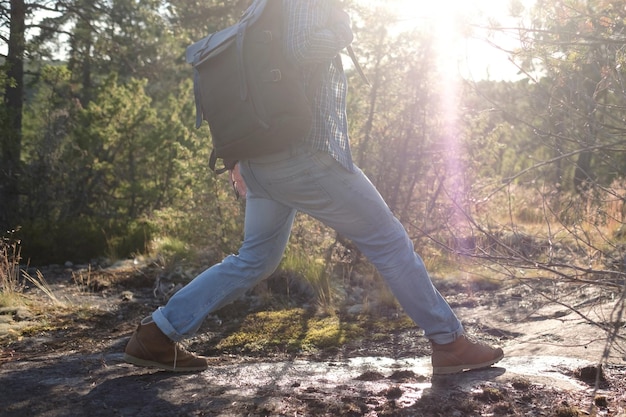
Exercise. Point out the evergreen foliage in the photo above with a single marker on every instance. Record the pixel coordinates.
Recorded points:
(106, 160)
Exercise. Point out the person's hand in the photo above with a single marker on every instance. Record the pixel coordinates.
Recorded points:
(341, 24)
(237, 182)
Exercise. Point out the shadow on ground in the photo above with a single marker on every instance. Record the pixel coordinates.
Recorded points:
(102, 385)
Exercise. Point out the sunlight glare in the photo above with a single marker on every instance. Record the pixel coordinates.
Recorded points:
(463, 49)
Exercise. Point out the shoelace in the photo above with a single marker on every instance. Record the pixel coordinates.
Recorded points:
(175, 355)
(182, 348)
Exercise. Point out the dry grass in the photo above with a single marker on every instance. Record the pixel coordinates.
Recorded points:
(13, 278)
(10, 284)
(533, 227)
(40, 283)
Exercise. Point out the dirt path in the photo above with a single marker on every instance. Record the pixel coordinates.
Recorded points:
(72, 384)
(549, 370)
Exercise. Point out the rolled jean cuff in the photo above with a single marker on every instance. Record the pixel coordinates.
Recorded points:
(164, 325)
(445, 338)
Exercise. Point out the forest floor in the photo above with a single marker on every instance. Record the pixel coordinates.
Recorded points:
(64, 358)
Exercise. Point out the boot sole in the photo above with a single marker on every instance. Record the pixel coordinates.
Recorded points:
(151, 364)
(446, 370)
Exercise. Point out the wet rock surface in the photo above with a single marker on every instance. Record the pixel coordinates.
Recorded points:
(550, 369)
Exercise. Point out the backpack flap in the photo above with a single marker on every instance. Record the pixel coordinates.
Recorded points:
(211, 45)
(216, 42)
(204, 50)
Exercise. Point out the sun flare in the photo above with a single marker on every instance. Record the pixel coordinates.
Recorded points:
(458, 30)
(428, 9)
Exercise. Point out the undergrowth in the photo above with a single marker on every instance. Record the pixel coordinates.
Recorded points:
(11, 285)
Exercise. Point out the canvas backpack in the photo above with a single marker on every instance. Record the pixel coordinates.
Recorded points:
(248, 91)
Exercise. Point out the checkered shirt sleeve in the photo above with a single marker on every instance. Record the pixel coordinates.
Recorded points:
(314, 38)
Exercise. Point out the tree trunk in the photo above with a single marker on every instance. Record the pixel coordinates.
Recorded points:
(12, 123)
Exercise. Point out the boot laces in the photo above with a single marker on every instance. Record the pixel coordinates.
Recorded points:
(178, 346)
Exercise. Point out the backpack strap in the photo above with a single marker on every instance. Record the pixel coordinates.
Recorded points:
(357, 65)
(228, 164)
(243, 83)
(316, 79)
(196, 94)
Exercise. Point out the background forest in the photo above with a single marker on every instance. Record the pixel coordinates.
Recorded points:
(518, 179)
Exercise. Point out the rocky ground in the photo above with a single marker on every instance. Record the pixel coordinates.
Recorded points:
(64, 358)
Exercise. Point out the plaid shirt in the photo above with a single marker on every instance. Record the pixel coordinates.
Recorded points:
(314, 40)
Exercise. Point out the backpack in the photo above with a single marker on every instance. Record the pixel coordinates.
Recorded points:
(246, 89)
(251, 95)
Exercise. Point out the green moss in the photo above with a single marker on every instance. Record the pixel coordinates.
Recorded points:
(330, 332)
(291, 330)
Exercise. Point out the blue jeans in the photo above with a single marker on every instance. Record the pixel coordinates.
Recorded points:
(314, 183)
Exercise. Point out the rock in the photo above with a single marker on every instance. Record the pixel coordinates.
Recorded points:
(15, 314)
(23, 314)
(127, 296)
(356, 309)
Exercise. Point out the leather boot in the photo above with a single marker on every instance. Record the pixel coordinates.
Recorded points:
(462, 355)
(149, 346)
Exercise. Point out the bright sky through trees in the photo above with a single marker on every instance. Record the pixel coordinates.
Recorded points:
(460, 29)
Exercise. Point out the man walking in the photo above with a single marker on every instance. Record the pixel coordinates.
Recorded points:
(317, 177)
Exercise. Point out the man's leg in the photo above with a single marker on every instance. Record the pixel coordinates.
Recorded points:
(313, 182)
(369, 223)
(266, 232)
